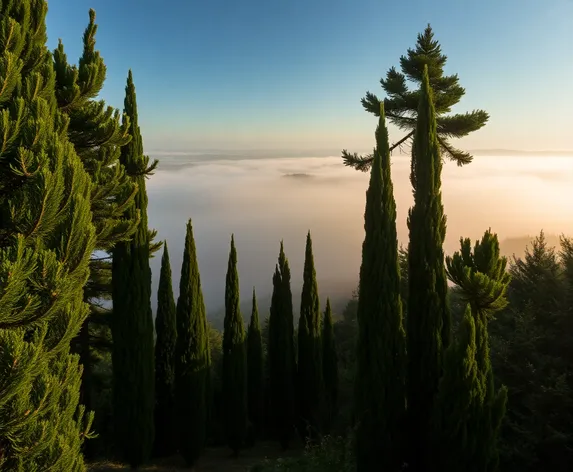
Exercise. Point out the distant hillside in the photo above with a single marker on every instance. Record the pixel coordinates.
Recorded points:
(516, 246)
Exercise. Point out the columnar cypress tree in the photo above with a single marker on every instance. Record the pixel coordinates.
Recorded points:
(46, 238)
(309, 371)
(255, 369)
(166, 331)
(191, 357)
(281, 353)
(380, 383)
(132, 327)
(468, 433)
(97, 135)
(234, 359)
(401, 104)
(428, 321)
(329, 367)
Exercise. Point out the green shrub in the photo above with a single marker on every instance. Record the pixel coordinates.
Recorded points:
(332, 454)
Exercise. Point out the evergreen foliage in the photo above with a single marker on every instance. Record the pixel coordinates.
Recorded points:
(329, 368)
(255, 366)
(380, 383)
(428, 321)
(132, 327)
(282, 367)
(401, 104)
(192, 358)
(97, 134)
(470, 411)
(166, 338)
(46, 239)
(309, 372)
(234, 359)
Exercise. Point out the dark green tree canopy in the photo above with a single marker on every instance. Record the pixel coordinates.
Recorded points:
(401, 104)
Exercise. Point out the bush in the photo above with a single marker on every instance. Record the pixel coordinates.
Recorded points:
(332, 454)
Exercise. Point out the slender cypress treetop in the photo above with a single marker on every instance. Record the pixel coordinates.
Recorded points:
(329, 367)
(282, 367)
(255, 366)
(401, 104)
(234, 359)
(46, 239)
(428, 322)
(380, 383)
(166, 331)
(132, 326)
(191, 357)
(309, 371)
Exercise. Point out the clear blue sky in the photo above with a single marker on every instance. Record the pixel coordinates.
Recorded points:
(289, 74)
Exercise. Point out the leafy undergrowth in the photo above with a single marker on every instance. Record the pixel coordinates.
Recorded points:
(331, 455)
(215, 459)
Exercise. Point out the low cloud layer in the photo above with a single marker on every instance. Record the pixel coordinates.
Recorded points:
(263, 200)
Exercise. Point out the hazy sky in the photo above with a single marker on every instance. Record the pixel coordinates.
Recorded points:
(289, 74)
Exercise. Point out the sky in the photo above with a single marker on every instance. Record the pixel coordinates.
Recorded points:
(289, 74)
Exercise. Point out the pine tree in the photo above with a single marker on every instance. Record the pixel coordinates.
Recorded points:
(234, 360)
(309, 372)
(97, 135)
(282, 365)
(255, 369)
(132, 327)
(46, 239)
(471, 429)
(329, 367)
(380, 384)
(428, 321)
(166, 331)
(192, 359)
(401, 104)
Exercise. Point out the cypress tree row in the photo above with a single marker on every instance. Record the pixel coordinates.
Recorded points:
(482, 280)
(166, 331)
(132, 327)
(46, 239)
(309, 372)
(380, 384)
(428, 320)
(282, 367)
(401, 104)
(234, 359)
(329, 367)
(192, 358)
(97, 135)
(255, 370)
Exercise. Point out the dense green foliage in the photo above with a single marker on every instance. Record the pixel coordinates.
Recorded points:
(329, 369)
(401, 104)
(380, 397)
(309, 367)
(46, 239)
(234, 360)
(192, 358)
(531, 354)
(132, 326)
(469, 410)
(281, 361)
(97, 135)
(428, 321)
(255, 372)
(166, 339)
